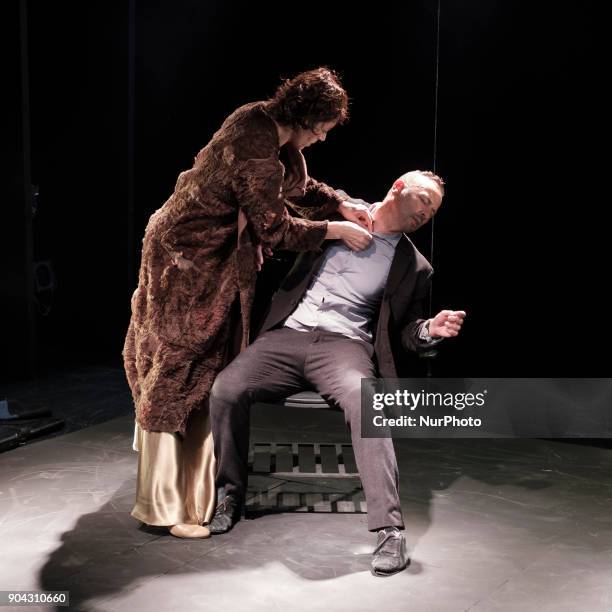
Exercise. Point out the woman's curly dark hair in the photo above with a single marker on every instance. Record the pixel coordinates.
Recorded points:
(311, 97)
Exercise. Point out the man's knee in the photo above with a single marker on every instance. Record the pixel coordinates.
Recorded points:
(351, 387)
(229, 388)
(348, 396)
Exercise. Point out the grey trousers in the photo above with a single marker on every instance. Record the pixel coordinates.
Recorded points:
(280, 362)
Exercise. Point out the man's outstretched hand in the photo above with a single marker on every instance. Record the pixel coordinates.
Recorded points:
(446, 324)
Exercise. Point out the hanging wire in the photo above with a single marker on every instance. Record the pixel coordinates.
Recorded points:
(131, 149)
(435, 148)
(432, 352)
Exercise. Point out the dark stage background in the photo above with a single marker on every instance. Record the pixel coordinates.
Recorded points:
(122, 97)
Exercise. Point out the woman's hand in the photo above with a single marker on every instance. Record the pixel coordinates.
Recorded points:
(259, 255)
(354, 236)
(259, 258)
(358, 213)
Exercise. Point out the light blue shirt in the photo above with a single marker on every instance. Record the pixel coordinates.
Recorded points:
(347, 290)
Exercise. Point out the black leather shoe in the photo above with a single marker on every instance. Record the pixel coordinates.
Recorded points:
(227, 514)
(390, 554)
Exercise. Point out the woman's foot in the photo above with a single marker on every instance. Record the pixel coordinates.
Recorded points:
(184, 530)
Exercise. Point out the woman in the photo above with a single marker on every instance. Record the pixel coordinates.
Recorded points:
(200, 256)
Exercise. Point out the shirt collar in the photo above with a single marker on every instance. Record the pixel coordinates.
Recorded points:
(391, 239)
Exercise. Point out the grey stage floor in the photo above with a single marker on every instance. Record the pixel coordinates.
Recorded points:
(492, 526)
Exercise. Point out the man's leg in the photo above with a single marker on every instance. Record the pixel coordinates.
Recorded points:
(268, 369)
(336, 365)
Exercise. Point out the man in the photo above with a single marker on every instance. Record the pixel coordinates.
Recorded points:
(335, 320)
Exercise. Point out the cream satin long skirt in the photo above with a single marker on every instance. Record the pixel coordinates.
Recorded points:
(176, 476)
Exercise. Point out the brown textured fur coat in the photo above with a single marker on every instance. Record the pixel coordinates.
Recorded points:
(194, 265)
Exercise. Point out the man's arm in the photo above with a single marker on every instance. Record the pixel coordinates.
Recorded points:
(415, 335)
(418, 333)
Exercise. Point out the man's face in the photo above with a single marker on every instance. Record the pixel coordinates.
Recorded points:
(416, 203)
(304, 138)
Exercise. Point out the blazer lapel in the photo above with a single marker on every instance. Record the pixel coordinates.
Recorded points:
(399, 266)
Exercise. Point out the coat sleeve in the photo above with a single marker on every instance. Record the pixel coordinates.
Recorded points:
(318, 202)
(257, 186)
(414, 317)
